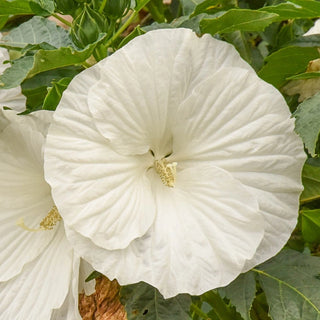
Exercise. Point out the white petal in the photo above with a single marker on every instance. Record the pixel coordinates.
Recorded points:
(41, 286)
(248, 132)
(142, 84)
(103, 195)
(12, 98)
(85, 270)
(69, 310)
(206, 228)
(24, 194)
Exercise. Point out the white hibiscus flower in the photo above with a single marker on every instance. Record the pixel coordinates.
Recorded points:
(39, 271)
(172, 163)
(11, 98)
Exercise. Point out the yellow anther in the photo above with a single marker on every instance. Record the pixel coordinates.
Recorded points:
(167, 171)
(47, 223)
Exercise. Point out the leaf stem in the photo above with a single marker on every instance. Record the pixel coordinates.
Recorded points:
(103, 4)
(198, 311)
(58, 17)
(122, 28)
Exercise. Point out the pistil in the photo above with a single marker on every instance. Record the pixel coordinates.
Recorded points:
(167, 171)
(47, 223)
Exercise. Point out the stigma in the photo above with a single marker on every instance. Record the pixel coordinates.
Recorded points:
(47, 223)
(167, 171)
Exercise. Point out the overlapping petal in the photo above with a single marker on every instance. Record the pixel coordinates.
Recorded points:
(197, 223)
(114, 203)
(42, 285)
(197, 103)
(137, 117)
(24, 193)
(36, 265)
(247, 131)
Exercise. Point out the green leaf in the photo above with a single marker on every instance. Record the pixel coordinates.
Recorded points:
(244, 43)
(156, 10)
(142, 301)
(93, 275)
(220, 310)
(241, 293)
(279, 65)
(238, 19)
(188, 6)
(140, 4)
(308, 122)
(45, 60)
(3, 21)
(13, 76)
(35, 31)
(36, 88)
(45, 5)
(213, 6)
(305, 41)
(15, 7)
(310, 225)
(294, 11)
(291, 284)
(55, 93)
(311, 183)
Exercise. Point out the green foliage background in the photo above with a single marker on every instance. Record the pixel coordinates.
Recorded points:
(269, 35)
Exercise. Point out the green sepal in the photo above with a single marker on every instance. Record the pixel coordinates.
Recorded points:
(87, 27)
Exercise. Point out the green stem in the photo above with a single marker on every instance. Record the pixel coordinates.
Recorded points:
(62, 20)
(103, 4)
(194, 308)
(122, 28)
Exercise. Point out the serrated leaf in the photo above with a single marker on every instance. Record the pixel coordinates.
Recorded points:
(311, 183)
(279, 65)
(36, 31)
(308, 122)
(310, 225)
(220, 309)
(238, 19)
(46, 5)
(241, 293)
(142, 301)
(291, 10)
(291, 284)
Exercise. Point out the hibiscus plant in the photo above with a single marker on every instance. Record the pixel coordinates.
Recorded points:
(159, 159)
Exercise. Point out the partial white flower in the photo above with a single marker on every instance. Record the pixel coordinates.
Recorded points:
(39, 271)
(315, 29)
(172, 163)
(11, 98)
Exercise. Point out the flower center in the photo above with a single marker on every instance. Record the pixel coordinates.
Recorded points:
(167, 171)
(47, 223)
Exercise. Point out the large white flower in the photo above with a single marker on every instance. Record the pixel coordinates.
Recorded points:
(172, 163)
(39, 271)
(12, 98)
